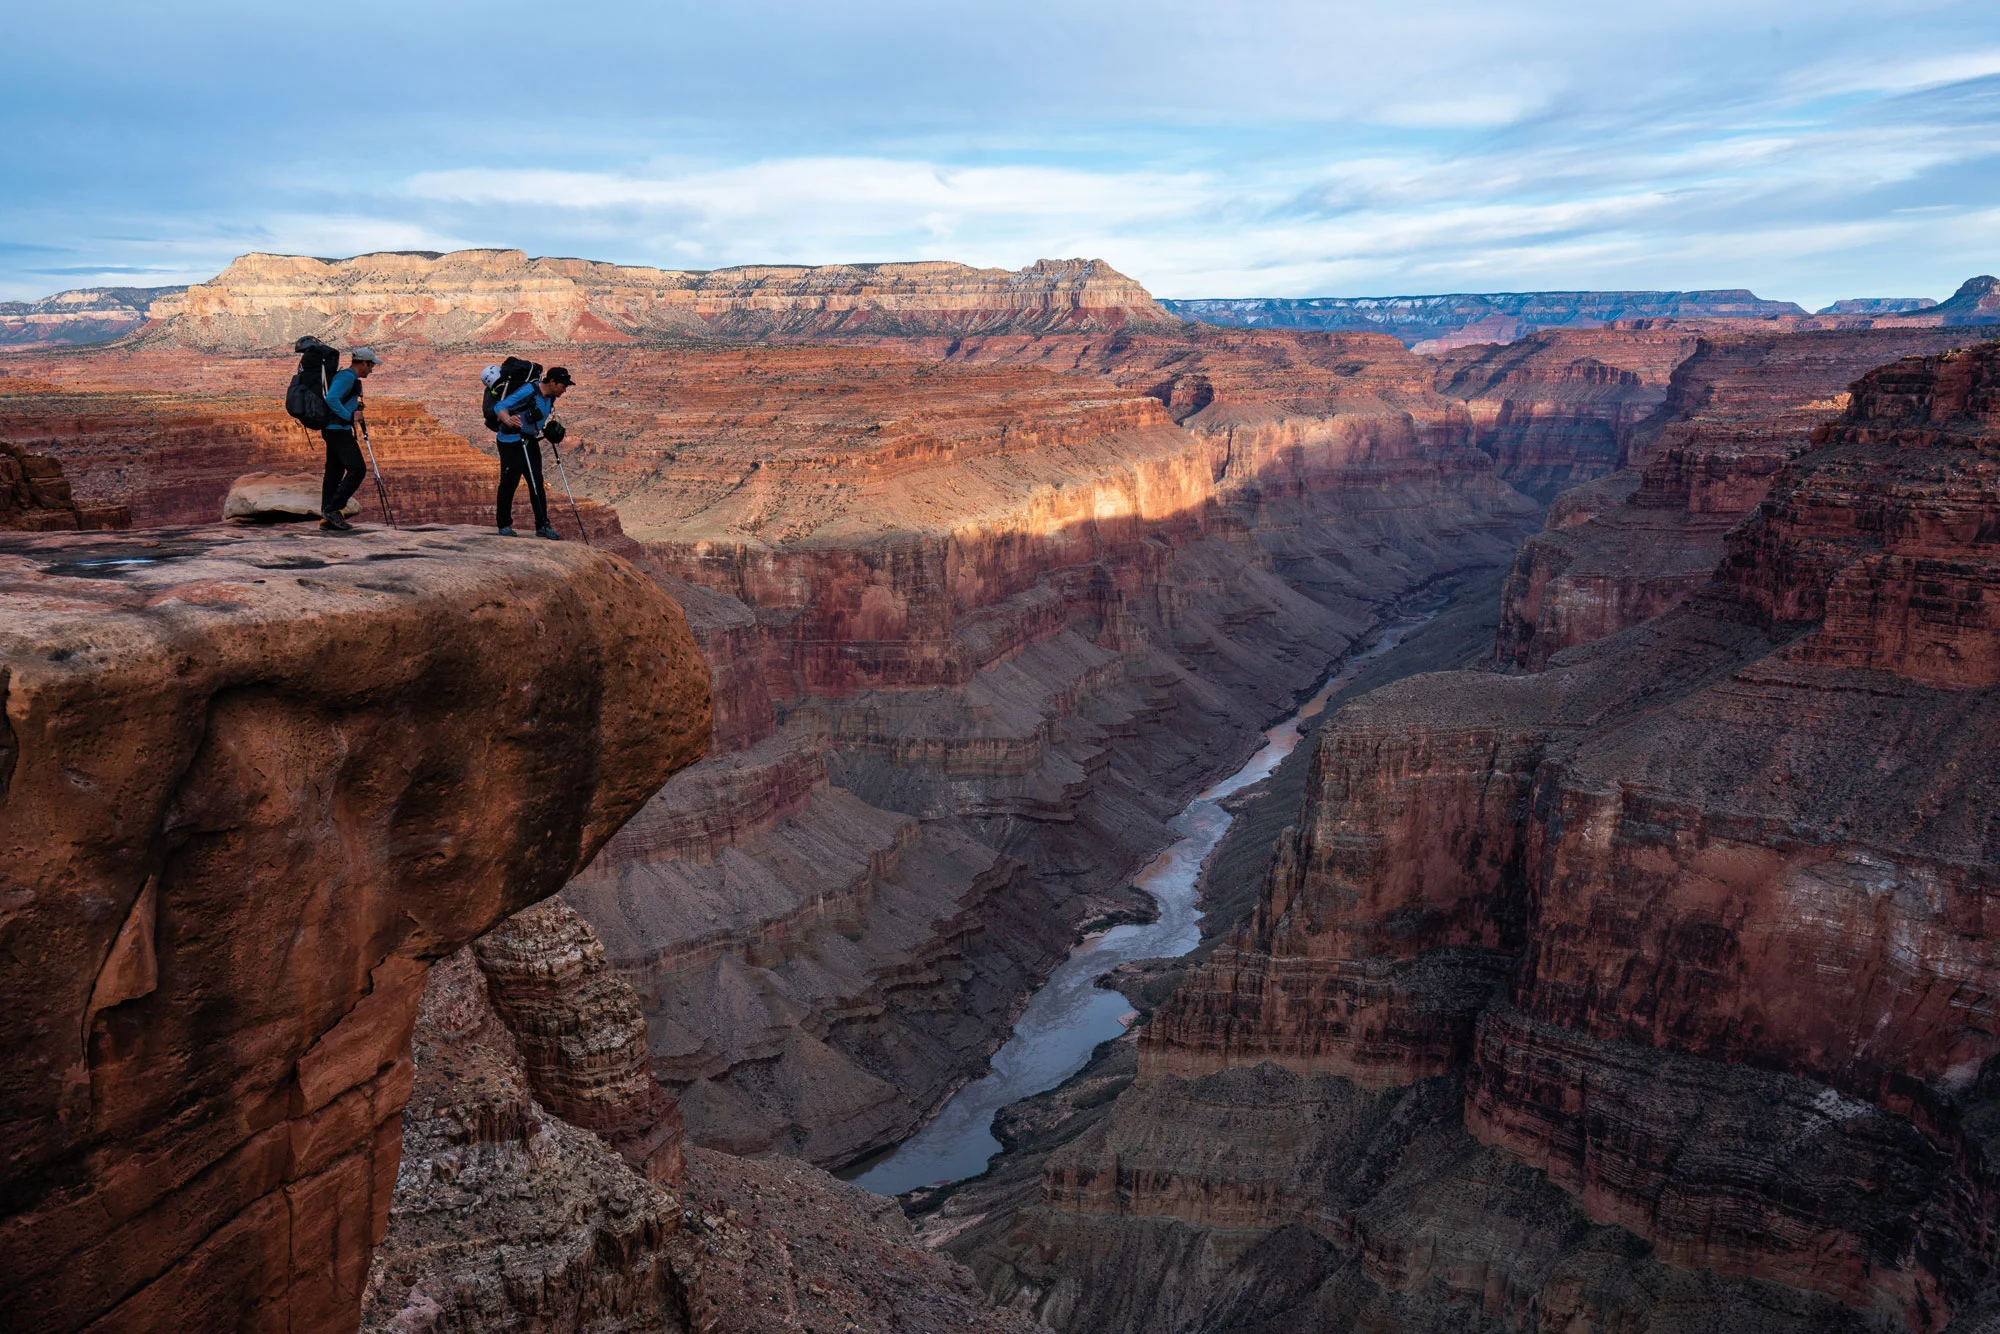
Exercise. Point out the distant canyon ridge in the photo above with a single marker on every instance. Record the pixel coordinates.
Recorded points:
(499, 296)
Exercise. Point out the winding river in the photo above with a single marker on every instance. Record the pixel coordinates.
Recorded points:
(1070, 1014)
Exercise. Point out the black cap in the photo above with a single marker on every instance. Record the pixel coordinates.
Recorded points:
(557, 375)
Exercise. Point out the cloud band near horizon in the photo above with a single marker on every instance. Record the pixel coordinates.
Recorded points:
(1807, 151)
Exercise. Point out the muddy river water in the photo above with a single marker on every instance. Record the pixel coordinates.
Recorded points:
(1070, 1014)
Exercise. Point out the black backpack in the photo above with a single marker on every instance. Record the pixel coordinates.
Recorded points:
(305, 397)
(514, 373)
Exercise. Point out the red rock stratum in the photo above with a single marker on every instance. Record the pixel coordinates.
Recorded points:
(1635, 543)
(1654, 990)
(498, 296)
(250, 787)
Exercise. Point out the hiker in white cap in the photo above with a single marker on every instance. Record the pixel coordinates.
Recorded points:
(344, 466)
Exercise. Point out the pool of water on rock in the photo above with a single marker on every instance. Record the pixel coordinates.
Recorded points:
(1070, 1014)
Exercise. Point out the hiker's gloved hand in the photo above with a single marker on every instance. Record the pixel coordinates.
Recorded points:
(555, 431)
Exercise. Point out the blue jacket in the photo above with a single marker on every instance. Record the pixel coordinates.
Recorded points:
(343, 399)
(528, 404)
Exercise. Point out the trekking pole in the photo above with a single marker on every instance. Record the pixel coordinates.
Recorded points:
(574, 513)
(376, 468)
(535, 494)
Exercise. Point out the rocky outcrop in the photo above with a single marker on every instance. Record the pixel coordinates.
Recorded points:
(1651, 991)
(581, 1034)
(1636, 543)
(503, 296)
(782, 1246)
(506, 1216)
(250, 787)
(35, 497)
(84, 315)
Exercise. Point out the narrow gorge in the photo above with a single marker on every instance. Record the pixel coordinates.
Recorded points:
(1608, 955)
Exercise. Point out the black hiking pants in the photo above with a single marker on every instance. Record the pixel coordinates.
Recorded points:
(344, 471)
(512, 452)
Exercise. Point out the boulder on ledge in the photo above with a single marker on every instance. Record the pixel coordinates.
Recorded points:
(251, 785)
(277, 496)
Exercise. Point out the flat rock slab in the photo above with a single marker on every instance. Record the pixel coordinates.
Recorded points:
(252, 783)
(277, 495)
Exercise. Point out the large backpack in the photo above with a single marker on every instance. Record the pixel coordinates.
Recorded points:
(305, 396)
(501, 381)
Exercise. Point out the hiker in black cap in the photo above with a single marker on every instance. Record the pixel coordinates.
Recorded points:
(524, 415)
(344, 467)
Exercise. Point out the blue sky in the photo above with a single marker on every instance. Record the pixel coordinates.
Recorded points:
(1810, 151)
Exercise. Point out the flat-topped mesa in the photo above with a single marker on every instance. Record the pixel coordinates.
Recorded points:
(251, 785)
(83, 315)
(1635, 543)
(503, 296)
(1454, 320)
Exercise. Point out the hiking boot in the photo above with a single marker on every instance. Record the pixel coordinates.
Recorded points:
(508, 531)
(333, 523)
(549, 533)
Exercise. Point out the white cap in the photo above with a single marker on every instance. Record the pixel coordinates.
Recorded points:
(364, 353)
(489, 376)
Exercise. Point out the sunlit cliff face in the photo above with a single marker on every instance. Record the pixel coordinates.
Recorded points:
(490, 296)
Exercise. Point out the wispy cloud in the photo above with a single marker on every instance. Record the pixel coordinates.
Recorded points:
(1810, 149)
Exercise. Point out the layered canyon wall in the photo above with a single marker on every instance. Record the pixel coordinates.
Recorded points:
(503, 296)
(83, 315)
(1558, 409)
(1448, 323)
(251, 785)
(974, 631)
(1636, 542)
(1651, 991)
